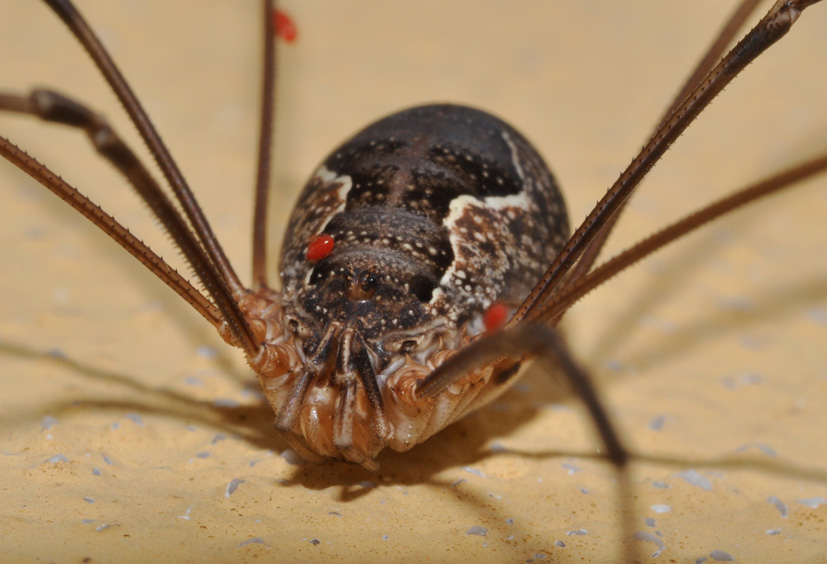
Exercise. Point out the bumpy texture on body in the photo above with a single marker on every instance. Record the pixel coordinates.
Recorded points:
(436, 213)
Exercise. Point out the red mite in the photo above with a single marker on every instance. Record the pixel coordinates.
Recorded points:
(495, 316)
(320, 247)
(285, 28)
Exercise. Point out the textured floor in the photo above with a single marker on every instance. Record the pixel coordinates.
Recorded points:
(129, 433)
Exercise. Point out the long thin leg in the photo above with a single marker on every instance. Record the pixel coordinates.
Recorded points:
(89, 41)
(537, 340)
(705, 64)
(265, 148)
(111, 227)
(713, 55)
(53, 107)
(772, 27)
(526, 340)
(553, 309)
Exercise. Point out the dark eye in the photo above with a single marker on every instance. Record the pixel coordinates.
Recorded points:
(408, 346)
(369, 282)
(363, 286)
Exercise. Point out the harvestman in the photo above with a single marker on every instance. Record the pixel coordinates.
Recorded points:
(488, 362)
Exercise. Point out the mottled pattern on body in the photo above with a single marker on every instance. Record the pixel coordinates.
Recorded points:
(449, 203)
(436, 213)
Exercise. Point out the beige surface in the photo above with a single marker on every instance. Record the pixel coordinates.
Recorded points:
(722, 336)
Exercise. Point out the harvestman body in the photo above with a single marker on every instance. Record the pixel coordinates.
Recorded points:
(436, 215)
(412, 242)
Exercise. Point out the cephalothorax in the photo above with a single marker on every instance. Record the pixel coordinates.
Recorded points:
(405, 243)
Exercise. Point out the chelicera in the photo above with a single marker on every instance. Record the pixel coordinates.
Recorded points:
(344, 355)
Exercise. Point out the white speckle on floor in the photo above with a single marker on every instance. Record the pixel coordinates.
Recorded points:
(649, 537)
(254, 540)
(694, 478)
(813, 502)
(474, 471)
(780, 505)
(233, 486)
(721, 556)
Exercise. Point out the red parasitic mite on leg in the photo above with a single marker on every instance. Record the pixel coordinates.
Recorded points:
(284, 26)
